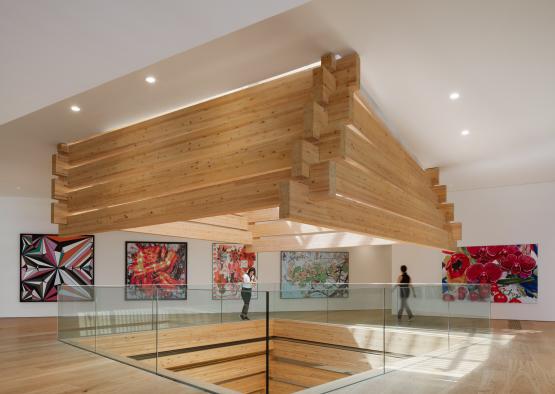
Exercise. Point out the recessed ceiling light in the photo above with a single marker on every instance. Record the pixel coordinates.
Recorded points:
(454, 96)
(150, 79)
(75, 108)
(465, 132)
(18, 188)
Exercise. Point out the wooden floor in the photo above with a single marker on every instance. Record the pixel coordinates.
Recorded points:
(33, 361)
(520, 361)
(516, 361)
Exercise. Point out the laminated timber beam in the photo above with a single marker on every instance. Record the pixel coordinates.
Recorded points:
(230, 221)
(348, 215)
(236, 165)
(285, 227)
(339, 178)
(261, 215)
(304, 154)
(325, 240)
(353, 147)
(229, 112)
(315, 121)
(255, 193)
(196, 230)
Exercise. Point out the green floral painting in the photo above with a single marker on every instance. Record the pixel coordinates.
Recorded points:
(314, 274)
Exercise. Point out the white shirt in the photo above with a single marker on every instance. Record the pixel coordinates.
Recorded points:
(247, 281)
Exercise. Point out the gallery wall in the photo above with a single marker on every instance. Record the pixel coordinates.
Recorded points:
(498, 216)
(20, 215)
(505, 215)
(28, 215)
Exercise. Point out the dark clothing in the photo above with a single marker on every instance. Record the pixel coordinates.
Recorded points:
(405, 281)
(404, 306)
(246, 295)
(404, 295)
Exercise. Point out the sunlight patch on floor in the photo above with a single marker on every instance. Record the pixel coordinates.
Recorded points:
(442, 368)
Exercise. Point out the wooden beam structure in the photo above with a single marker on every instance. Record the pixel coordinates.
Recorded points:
(317, 241)
(305, 148)
(195, 230)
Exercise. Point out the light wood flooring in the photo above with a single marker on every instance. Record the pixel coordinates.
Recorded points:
(33, 361)
(516, 361)
(520, 361)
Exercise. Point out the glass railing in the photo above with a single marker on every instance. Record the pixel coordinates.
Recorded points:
(320, 338)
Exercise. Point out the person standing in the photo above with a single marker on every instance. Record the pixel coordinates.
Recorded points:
(249, 278)
(405, 286)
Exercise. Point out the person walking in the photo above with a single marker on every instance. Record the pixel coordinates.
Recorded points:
(405, 286)
(249, 278)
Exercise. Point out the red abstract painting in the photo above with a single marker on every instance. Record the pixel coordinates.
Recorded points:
(229, 263)
(156, 269)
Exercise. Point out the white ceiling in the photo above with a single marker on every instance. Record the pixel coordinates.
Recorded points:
(498, 54)
(54, 49)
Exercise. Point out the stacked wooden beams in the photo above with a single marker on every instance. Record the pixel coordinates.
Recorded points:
(365, 181)
(332, 83)
(177, 166)
(305, 148)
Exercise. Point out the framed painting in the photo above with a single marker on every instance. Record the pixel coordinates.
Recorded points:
(155, 265)
(48, 261)
(509, 271)
(229, 263)
(313, 274)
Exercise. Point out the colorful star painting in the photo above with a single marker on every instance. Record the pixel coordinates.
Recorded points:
(47, 261)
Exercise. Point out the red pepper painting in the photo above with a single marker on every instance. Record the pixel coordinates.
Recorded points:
(510, 271)
(229, 263)
(156, 269)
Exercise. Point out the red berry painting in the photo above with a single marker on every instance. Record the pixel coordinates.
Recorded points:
(500, 273)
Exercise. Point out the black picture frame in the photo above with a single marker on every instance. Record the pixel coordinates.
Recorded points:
(91, 293)
(281, 291)
(126, 278)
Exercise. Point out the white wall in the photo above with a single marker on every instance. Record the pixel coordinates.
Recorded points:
(503, 215)
(20, 215)
(421, 262)
(26, 215)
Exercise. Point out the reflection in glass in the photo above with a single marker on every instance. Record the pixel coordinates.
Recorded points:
(289, 343)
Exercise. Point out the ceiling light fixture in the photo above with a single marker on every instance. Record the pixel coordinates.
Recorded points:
(75, 108)
(454, 96)
(150, 79)
(465, 132)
